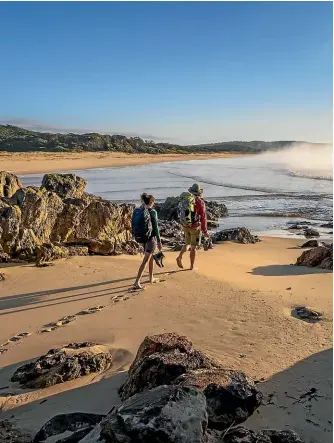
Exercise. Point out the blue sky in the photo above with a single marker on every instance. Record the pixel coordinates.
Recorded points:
(188, 72)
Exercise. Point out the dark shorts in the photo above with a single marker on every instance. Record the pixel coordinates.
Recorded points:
(150, 245)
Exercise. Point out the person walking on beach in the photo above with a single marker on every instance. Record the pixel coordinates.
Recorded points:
(146, 232)
(192, 213)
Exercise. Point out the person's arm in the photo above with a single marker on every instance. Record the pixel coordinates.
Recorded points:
(201, 211)
(154, 218)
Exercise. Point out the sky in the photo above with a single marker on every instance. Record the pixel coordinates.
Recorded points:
(184, 72)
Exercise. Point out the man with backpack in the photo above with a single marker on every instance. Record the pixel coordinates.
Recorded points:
(192, 214)
(146, 232)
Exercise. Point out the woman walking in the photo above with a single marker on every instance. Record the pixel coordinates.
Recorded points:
(146, 231)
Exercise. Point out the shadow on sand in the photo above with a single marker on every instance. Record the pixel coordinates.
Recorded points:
(300, 398)
(286, 270)
(89, 291)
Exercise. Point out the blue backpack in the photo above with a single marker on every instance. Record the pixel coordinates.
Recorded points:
(142, 228)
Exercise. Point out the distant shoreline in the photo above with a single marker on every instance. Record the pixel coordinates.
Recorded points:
(42, 162)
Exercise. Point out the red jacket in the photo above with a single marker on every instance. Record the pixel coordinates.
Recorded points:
(201, 213)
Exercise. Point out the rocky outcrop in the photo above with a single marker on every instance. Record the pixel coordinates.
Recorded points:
(80, 423)
(170, 359)
(309, 232)
(64, 185)
(10, 434)
(240, 235)
(243, 435)
(169, 414)
(307, 314)
(63, 364)
(197, 406)
(9, 184)
(160, 360)
(321, 257)
(313, 244)
(231, 396)
(36, 222)
(168, 210)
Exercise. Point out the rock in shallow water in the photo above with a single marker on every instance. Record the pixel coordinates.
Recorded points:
(240, 235)
(60, 365)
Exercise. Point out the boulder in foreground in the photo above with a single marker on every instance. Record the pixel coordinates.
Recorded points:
(10, 434)
(60, 365)
(168, 414)
(80, 423)
(160, 360)
(231, 396)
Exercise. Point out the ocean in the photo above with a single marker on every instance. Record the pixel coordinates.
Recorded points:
(263, 193)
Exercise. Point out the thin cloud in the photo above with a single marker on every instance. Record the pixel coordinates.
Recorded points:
(35, 125)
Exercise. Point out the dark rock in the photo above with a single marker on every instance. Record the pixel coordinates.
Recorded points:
(9, 434)
(307, 314)
(321, 256)
(168, 414)
(73, 422)
(175, 357)
(9, 184)
(166, 342)
(309, 232)
(327, 225)
(162, 369)
(312, 244)
(231, 396)
(240, 235)
(65, 185)
(63, 364)
(286, 436)
(77, 436)
(243, 435)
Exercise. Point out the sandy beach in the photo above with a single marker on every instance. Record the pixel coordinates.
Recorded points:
(38, 162)
(236, 307)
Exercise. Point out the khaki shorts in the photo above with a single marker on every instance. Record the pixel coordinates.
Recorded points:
(192, 236)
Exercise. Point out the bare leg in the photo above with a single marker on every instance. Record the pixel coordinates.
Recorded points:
(192, 256)
(141, 270)
(179, 258)
(150, 269)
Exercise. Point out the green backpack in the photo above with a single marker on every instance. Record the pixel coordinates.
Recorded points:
(187, 209)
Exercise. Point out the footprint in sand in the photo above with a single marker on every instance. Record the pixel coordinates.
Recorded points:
(92, 310)
(19, 336)
(58, 324)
